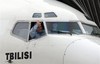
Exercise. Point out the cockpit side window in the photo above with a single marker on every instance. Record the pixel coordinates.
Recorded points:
(91, 30)
(63, 28)
(36, 30)
(27, 31)
(21, 30)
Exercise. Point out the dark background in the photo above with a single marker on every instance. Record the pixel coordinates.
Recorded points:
(90, 8)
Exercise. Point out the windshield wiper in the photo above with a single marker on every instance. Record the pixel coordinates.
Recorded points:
(61, 31)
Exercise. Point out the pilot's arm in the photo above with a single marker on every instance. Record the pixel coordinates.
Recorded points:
(33, 31)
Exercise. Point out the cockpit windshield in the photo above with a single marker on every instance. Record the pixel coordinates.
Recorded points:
(63, 28)
(91, 30)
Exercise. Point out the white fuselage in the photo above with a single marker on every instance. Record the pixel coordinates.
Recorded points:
(51, 48)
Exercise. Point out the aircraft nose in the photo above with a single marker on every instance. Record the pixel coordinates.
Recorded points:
(82, 52)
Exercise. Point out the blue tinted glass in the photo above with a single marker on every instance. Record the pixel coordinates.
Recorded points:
(63, 27)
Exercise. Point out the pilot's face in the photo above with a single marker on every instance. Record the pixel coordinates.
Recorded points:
(40, 28)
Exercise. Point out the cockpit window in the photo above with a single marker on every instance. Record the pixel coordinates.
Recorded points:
(21, 30)
(37, 15)
(27, 31)
(50, 14)
(36, 30)
(63, 28)
(92, 30)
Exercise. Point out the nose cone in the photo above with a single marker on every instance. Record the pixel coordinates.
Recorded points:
(94, 39)
(82, 52)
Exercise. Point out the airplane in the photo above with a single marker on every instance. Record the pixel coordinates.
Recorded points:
(68, 37)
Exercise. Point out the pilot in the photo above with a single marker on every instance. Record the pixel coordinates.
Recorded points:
(37, 30)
